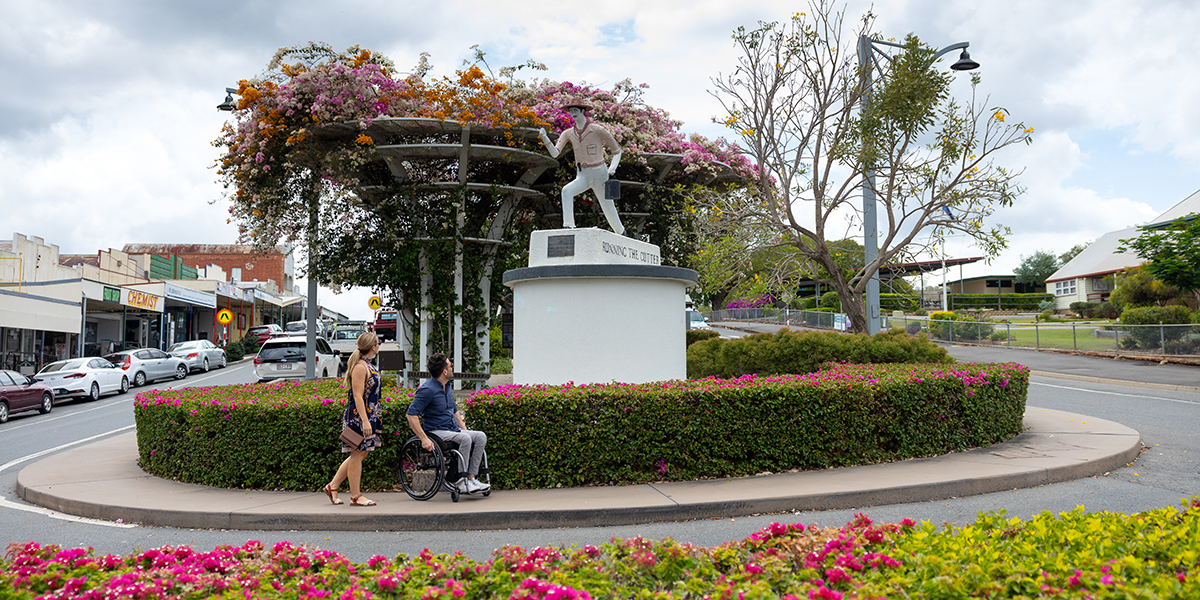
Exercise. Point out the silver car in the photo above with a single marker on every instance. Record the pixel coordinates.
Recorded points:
(200, 355)
(148, 364)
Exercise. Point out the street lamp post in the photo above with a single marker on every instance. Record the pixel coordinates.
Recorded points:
(310, 350)
(866, 61)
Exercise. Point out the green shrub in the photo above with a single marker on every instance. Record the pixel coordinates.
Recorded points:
(279, 435)
(698, 335)
(831, 300)
(234, 352)
(1048, 305)
(1085, 310)
(1108, 310)
(541, 436)
(903, 302)
(953, 326)
(920, 312)
(1153, 337)
(913, 328)
(1005, 301)
(999, 336)
(790, 352)
(809, 303)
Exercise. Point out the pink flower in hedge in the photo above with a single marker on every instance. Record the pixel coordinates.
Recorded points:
(824, 593)
(753, 569)
(835, 576)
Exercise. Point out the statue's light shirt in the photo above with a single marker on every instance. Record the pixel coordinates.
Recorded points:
(587, 144)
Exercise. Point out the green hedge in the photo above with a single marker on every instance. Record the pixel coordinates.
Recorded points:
(541, 436)
(1154, 337)
(899, 302)
(1007, 301)
(952, 326)
(788, 351)
(279, 435)
(699, 335)
(284, 435)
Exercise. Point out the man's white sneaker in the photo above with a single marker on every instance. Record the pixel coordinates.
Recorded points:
(464, 485)
(477, 485)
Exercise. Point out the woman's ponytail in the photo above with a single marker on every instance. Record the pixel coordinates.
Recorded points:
(366, 341)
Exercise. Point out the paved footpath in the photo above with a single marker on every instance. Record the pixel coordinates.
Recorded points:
(102, 480)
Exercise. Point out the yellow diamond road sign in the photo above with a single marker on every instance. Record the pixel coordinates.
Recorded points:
(224, 316)
(375, 303)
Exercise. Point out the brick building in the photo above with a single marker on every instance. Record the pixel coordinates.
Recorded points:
(239, 262)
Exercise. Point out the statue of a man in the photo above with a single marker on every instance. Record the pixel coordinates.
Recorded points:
(588, 139)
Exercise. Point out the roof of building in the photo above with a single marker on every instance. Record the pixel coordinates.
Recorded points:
(6, 245)
(1100, 258)
(925, 266)
(1188, 206)
(74, 260)
(168, 249)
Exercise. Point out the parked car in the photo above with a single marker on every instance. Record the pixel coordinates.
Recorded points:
(148, 365)
(19, 393)
(264, 332)
(695, 320)
(199, 355)
(89, 377)
(283, 357)
(345, 341)
(294, 327)
(385, 323)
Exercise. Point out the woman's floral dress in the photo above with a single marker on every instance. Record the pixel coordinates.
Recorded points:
(372, 390)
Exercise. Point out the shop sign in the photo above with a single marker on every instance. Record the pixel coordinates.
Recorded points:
(142, 300)
(178, 292)
(228, 290)
(112, 295)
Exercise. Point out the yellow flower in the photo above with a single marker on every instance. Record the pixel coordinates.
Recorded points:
(747, 132)
(999, 116)
(364, 139)
(1028, 130)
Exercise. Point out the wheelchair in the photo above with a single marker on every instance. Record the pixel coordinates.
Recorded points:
(423, 473)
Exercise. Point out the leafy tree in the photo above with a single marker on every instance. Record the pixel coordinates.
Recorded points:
(1035, 268)
(796, 102)
(1137, 286)
(1173, 252)
(1066, 257)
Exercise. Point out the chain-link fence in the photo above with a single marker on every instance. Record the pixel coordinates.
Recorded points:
(1107, 338)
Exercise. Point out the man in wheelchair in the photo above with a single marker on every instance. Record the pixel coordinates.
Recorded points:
(434, 404)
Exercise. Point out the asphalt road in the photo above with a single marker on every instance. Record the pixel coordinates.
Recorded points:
(1168, 471)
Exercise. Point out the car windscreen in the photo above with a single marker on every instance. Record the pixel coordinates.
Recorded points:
(117, 359)
(347, 334)
(62, 366)
(297, 326)
(695, 316)
(283, 351)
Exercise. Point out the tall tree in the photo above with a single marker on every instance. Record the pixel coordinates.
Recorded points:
(1035, 268)
(1066, 257)
(796, 101)
(1173, 252)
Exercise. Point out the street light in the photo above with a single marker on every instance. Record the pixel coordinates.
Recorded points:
(866, 61)
(228, 105)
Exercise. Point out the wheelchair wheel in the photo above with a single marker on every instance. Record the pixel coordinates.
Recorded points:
(454, 495)
(421, 470)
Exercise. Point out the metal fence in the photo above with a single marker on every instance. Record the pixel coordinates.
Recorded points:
(1105, 338)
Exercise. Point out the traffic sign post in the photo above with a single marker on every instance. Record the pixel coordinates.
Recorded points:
(375, 302)
(224, 316)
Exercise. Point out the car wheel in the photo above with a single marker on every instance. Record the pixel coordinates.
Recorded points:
(94, 394)
(3, 412)
(140, 379)
(206, 365)
(324, 373)
(224, 361)
(181, 371)
(47, 404)
(124, 384)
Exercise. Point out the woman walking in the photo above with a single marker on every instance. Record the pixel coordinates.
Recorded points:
(363, 414)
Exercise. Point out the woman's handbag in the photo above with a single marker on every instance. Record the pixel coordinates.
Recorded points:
(351, 437)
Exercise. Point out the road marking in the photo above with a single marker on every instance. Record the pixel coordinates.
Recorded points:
(5, 502)
(106, 404)
(1063, 387)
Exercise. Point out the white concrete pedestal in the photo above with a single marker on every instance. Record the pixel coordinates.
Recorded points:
(596, 307)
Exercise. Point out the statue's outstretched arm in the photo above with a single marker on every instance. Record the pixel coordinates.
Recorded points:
(550, 146)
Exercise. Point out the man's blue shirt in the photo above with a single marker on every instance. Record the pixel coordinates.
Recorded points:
(434, 403)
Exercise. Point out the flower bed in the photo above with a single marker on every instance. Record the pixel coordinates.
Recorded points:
(1071, 555)
(540, 436)
(284, 435)
(279, 435)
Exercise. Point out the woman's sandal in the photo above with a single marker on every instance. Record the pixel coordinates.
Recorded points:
(329, 492)
(360, 501)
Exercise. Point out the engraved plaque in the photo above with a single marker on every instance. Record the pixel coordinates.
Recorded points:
(559, 246)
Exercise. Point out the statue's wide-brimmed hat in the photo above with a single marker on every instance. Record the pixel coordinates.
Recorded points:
(577, 103)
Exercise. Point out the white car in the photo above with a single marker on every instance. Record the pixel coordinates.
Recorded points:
(695, 320)
(283, 357)
(200, 355)
(345, 342)
(83, 377)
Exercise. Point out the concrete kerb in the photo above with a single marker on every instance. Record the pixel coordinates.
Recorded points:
(102, 481)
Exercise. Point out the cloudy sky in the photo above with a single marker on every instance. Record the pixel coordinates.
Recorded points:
(108, 109)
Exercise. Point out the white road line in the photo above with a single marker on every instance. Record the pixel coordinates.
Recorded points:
(111, 402)
(5, 502)
(1063, 387)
